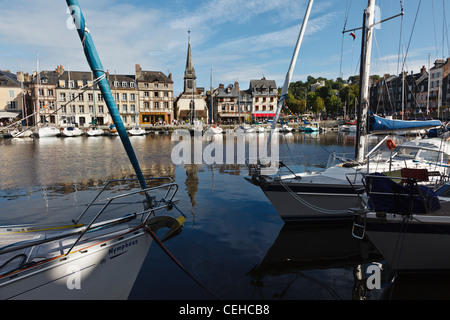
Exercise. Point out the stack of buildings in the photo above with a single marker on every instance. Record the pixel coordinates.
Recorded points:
(64, 97)
(412, 94)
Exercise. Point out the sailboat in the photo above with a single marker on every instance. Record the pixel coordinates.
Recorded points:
(93, 256)
(94, 132)
(71, 131)
(327, 195)
(47, 131)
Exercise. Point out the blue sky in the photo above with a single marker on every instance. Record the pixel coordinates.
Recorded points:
(238, 39)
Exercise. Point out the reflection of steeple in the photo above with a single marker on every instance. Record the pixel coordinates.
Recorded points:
(189, 74)
(192, 182)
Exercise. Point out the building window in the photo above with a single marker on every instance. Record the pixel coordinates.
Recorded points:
(166, 105)
(125, 108)
(81, 109)
(156, 105)
(91, 109)
(124, 97)
(146, 105)
(132, 97)
(99, 97)
(62, 97)
(100, 109)
(90, 97)
(132, 108)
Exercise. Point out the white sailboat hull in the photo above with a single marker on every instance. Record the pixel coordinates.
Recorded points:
(71, 132)
(94, 132)
(136, 132)
(104, 270)
(47, 132)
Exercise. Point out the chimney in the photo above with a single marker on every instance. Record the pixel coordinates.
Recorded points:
(59, 70)
(221, 86)
(170, 76)
(236, 86)
(138, 71)
(423, 70)
(20, 76)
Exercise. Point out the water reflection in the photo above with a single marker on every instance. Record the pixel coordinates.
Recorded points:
(325, 258)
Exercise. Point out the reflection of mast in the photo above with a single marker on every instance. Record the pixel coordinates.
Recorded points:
(192, 182)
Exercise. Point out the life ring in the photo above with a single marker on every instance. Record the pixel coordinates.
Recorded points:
(390, 144)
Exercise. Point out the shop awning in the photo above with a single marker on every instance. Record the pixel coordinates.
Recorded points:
(264, 115)
(4, 114)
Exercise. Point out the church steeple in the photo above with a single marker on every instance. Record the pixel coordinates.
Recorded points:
(189, 73)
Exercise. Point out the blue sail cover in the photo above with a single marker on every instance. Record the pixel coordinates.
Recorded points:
(380, 125)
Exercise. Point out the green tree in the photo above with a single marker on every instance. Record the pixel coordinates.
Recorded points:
(318, 105)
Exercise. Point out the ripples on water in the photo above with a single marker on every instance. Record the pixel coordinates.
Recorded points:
(233, 241)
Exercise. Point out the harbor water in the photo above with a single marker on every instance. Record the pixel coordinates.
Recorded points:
(233, 242)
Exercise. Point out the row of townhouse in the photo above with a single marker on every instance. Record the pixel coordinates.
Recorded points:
(65, 97)
(414, 93)
(257, 103)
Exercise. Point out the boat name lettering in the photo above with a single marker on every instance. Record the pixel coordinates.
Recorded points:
(122, 247)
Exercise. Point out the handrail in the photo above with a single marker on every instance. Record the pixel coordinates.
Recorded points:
(148, 210)
(113, 181)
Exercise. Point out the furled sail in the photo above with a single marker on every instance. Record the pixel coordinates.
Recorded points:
(378, 124)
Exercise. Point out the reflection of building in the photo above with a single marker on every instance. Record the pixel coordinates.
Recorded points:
(155, 96)
(192, 182)
(191, 104)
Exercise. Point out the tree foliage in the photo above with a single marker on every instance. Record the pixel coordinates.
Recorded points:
(333, 97)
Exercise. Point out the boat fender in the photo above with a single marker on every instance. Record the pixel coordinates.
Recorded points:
(390, 144)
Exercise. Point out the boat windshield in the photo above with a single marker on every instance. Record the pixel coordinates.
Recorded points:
(421, 154)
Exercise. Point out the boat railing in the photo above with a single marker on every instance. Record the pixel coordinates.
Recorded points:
(150, 205)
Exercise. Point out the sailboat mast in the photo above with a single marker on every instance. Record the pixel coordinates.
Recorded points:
(96, 66)
(366, 54)
(287, 81)
(429, 86)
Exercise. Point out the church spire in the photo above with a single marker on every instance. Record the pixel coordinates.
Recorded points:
(190, 71)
